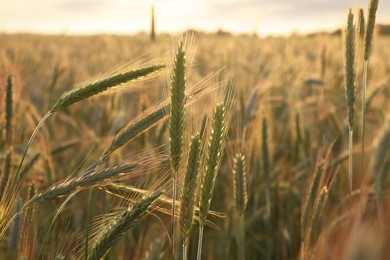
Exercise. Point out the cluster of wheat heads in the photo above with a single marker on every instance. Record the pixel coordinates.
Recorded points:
(15, 174)
(257, 164)
(147, 170)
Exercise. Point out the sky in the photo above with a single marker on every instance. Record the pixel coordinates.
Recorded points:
(265, 17)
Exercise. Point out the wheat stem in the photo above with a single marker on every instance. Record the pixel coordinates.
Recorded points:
(200, 241)
(364, 110)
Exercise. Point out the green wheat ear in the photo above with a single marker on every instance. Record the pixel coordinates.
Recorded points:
(136, 128)
(119, 224)
(361, 24)
(177, 117)
(214, 157)
(350, 87)
(102, 85)
(177, 123)
(188, 195)
(239, 183)
(372, 8)
(308, 206)
(318, 210)
(350, 68)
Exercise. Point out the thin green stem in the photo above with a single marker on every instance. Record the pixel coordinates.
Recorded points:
(350, 154)
(185, 249)
(32, 139)
(241, 237)
(201, 227)
(364, 110)
(174, 196)
(88, 217)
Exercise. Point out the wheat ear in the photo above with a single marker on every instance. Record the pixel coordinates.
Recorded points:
(240, 194)
(350, 87)
(372, 8)
(308, 206)
(102, 85)
(119, 224)
(136, 128)
(188, 195)
(318, 209)
(213, 160)
(82, 182)
(177, 122)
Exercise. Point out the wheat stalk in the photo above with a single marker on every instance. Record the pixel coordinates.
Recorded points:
(241, 199)
(372, 8)
(380, 162)
(350, 87)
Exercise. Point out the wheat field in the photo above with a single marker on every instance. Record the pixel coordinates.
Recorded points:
(197, 146)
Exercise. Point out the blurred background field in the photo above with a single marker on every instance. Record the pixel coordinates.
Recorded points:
(289, 109)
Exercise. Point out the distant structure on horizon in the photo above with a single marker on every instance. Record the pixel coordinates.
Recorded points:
(153, 28)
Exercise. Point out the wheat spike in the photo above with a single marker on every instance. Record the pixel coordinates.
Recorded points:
(135, 128)
(214, 157)
(318, 209)
(239, 183)
(361, 24)
(350, 68)
(307, 209)
(177, 117)
(102, 85)
(188, 195)
(84, 181)
(119, 224)
(372, 7)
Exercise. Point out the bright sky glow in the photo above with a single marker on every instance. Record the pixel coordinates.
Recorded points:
(130, 16)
